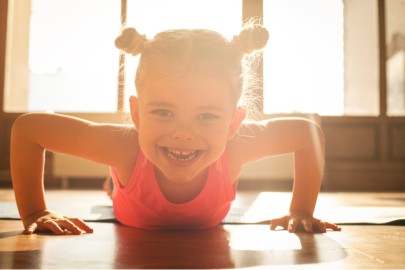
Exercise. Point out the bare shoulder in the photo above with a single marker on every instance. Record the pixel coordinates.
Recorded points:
(239, 148)
(259, 139)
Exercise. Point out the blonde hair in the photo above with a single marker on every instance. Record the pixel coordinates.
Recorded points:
(176, 52)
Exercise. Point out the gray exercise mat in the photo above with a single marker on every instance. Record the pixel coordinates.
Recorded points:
(237, 215)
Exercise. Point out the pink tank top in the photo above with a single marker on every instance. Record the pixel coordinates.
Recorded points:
(141, 203)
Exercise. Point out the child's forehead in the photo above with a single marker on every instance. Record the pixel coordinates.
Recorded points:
(193, 87)
(190, 82)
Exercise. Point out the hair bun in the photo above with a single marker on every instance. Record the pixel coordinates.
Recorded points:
(252, 37)
(130, 41)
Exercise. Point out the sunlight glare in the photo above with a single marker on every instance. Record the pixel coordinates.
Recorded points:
(261, 238)
(265, 207)
(303, 61)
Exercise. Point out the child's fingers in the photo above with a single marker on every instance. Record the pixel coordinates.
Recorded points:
(81, 224)
(274, 223)
(53, 227)
(69, 226)
(320, 226)
(282, 222)
(292, 225)
(31, 228)
(307, 225)
(332, 226)
(58, 224)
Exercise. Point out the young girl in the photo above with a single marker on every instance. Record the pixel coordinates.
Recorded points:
(177, 166)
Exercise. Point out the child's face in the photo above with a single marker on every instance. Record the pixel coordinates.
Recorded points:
(184, 123)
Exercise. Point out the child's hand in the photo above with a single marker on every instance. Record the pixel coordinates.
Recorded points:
(55, 223)
(297, 221)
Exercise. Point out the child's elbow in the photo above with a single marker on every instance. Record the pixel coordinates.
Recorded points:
(22, 125)
(313, 134)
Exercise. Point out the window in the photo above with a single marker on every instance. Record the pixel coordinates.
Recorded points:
(61, 55)
(395, 40)
(322, 56)
(303, 62)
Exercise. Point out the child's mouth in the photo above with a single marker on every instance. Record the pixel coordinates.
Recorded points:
(181, 155)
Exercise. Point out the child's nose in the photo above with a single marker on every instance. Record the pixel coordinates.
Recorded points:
(183, 133)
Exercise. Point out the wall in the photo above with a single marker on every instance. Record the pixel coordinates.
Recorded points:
(364, 153)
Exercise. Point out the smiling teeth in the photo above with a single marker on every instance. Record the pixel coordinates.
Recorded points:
(181, 155)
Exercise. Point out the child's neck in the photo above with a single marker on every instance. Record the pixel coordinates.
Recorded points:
(181, 192)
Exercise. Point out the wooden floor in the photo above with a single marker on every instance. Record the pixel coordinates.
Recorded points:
(227, 246)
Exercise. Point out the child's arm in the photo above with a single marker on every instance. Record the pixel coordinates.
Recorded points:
(32, 134)
(305, 139)
(308, 174)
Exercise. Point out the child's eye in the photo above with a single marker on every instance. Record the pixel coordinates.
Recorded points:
(162, 113)
(207, 116)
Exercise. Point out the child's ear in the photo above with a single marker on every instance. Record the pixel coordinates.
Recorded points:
(237, 119)
(133, 106)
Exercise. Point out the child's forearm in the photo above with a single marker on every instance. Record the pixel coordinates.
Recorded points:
(27, 165)
(308, 164)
